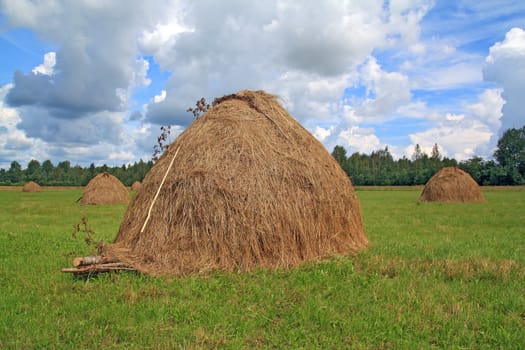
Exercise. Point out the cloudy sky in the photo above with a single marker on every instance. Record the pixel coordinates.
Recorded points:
(93, 80)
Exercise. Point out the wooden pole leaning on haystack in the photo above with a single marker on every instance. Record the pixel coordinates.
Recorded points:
(95, 264)
(158, 190)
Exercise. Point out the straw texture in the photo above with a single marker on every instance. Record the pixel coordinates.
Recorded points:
(451, 184)
(32, 186)
(249, 187)
(137, 185)
(105, 189)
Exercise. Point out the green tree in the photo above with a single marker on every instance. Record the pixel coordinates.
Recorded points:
(436, 159)
(435, 155)
(418, 154)
(47, 166)
(449, 162)
(14, 174)
(420, 160)
(65, 165)
(339, 153)
(33, 171)
(403, 172)
(357, 168)
(476, 168)
(47, 171)
(3, 177)
(382, 165)
(510, 152)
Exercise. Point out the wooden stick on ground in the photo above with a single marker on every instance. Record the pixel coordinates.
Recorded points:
(89, 260)
(86, 269)
(95, 264)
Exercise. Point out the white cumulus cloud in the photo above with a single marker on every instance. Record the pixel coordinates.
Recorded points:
(505, 66)
(47, 67)
(342, 68)
(359, 139)
(160, 97)
(388, 91)
(465, 135)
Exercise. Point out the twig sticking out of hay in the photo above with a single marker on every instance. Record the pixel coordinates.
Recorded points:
(105, 189)
(250, 187)
(32, 186)
(451, 184)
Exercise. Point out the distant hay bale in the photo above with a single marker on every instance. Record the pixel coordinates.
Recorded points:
(105, 189)
(136, 186)
(32, 186)
(451, 184)
(248, 187)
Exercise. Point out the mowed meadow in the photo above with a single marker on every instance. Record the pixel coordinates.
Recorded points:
(435, 276)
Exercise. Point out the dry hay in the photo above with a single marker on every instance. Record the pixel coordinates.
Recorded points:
(249, 187)
(105, 189)
(32, 186)
(451, 184)
(136, 186)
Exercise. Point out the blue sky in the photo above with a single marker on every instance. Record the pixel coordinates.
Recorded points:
(92, 81)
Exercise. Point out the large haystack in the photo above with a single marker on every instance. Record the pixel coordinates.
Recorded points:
(105, 189)
(32, 186)
(245, 186)
(451, 185)
(137, 185)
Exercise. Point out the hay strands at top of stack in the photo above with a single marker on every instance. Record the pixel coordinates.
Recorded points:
(96, 264)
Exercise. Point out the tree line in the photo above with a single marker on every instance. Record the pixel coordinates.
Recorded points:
(378, 168)
(63, 174)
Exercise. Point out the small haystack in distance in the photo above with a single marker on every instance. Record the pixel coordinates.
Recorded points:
(451, 184)
(105, 189)
(32, 186)
(244, 186)
(136, 186)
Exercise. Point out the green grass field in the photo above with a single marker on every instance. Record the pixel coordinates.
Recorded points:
(443, 276)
